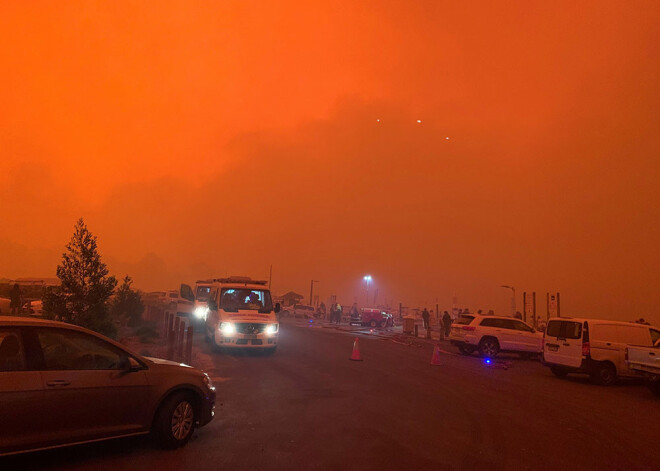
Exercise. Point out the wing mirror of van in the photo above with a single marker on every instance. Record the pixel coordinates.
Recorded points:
(657, 344)
(278, 308)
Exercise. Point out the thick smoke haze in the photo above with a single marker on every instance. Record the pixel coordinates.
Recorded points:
(220, 139)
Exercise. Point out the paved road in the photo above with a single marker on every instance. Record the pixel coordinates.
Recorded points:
(308, 407)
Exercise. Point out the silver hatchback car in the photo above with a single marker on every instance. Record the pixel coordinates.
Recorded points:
(64, 385)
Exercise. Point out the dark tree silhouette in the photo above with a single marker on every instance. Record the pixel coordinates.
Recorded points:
(127, 306)
(82, 298)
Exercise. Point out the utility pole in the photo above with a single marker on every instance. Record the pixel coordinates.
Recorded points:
(513, 299)
(270, 275)
(311, 291)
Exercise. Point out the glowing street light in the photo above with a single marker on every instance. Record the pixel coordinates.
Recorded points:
(367, 279)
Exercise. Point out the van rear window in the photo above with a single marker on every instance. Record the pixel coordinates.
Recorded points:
(564, 329)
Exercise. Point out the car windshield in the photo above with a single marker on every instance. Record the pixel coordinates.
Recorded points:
(233, 300)
(203, 293)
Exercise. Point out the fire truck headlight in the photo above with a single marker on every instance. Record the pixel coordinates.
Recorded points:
(227, 328)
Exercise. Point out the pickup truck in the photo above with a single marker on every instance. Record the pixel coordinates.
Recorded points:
(646, 361)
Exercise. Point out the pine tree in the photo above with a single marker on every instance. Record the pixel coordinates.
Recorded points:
(82, 298)
(127, 306)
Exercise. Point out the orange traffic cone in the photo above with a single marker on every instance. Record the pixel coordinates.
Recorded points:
(355, 356)
(435, 359)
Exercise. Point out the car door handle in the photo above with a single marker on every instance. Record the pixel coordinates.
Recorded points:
(58, 382)
(567, 345)
(652, 353)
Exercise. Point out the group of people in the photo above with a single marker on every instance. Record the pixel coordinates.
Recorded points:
(335, 313)
(445, 322)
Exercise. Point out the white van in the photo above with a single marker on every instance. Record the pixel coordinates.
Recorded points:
(593, 346)
(241, 315)
(202, 293)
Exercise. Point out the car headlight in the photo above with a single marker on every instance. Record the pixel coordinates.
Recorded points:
(271, 329)
(207, 382)
(227, 328)
(201, 311)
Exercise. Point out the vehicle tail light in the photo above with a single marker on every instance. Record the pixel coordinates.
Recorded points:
(586, 349)
(469, 327)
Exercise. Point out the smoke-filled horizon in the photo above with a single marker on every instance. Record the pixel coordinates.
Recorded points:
(446, 150)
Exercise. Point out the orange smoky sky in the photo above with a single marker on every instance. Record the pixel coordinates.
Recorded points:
(210, 138)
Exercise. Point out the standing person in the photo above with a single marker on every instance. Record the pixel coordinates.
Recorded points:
(446, 321)
(338, 313)
(426, 317)
(15, 297)
(322, 310)
(333, 310)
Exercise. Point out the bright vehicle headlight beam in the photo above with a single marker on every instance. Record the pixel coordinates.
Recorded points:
(227, 328)
(271, 329)
(200, 312)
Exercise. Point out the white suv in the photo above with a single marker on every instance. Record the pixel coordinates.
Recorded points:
(491, 335)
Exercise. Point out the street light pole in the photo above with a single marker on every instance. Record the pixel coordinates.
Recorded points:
(367, 279)
(311, 291)
(513, 298)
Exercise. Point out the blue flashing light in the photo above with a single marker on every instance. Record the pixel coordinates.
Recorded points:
(487, 361)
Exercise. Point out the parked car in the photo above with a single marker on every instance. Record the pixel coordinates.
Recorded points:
(593, 346)
(301, 311)
(646, 361)
(491, 335)
(63, 385)
(35, 308)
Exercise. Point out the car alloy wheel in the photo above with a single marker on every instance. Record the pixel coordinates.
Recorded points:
(182, 420)
(489, 347)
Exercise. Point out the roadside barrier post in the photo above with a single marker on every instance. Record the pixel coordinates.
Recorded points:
(428, 331)
(189, 343)
(168, 326)
(416, 330)
(179, 347)
(170, 345)
(177, 321)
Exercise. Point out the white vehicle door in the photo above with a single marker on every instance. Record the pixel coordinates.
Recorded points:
(563, 343)
(499, 329)
(528, 340)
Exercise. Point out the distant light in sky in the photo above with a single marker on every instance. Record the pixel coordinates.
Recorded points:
(447, 137)
(378, 120)
(419, 121)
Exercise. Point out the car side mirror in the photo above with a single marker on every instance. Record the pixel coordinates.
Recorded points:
(657, 344)
(130, 365)
(278, 308)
